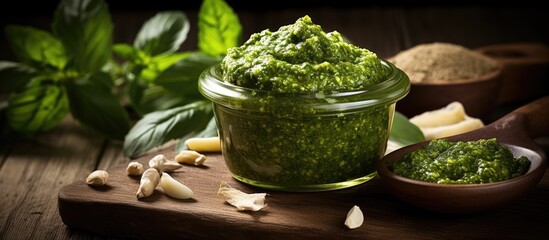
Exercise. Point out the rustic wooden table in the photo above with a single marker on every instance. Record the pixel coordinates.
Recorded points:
(33, 170)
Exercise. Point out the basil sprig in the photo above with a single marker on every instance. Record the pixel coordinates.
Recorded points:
(77, 69)
(61, 72)
(162, 84)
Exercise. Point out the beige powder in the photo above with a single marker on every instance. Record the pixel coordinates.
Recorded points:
(439, 62)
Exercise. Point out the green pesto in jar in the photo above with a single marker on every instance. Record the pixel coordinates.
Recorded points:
(303, 150)
(301, 58)
(472, 162)
(275, 141)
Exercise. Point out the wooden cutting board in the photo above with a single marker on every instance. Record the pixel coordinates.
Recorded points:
(114, 210)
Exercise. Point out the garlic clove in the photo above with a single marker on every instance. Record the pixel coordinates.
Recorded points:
(467, 125)
(97, 178)
(448, 115)
(242, 201)
(149, 181)
(447, 121)
(190, 157)
(208, 144)
(134, 169)
(174, 188)
(162, 164)
(355, 218)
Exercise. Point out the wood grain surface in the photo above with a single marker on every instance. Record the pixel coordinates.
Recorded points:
(114, 210)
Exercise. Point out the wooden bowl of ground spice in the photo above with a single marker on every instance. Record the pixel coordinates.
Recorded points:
(441, 73)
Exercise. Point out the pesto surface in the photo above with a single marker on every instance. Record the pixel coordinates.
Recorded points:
(301, 58)
(473, 162)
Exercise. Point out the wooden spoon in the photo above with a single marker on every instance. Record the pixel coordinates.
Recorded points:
(513, 130)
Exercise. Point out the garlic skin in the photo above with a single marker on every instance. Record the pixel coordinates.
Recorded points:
(162, 164)
(97, 178)
(134, 169)
(355, 218)
(149, 181)
(242, 201)
(174, 188)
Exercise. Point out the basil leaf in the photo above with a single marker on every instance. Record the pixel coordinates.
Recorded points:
(35, 47)
(182, 77)
(157, 128)
(39, 107)
(155, 98)
(85, 28)
(135, 94)
(126, 52)
(163, 33)
(158, 64)
(218, 28)
(404, 132)
(93, 104)
(209, 131)
(14, 76)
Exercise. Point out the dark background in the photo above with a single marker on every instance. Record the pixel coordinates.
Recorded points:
(385, 27)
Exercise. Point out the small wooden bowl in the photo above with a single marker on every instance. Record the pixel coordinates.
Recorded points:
(478, 96)
(463, 198)
(514, 130)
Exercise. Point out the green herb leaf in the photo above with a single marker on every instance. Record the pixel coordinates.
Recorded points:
(159, 127)
(404, 132)
(182, 77)
(209, 131)
(35, 47)
(136, 91)
(155, 98)
(218, 28)
(85, 28)
(175, 86)
(126, 52)
(94, 105)
(163, 33)
(158, 64)
(40, 107)
(14, 76)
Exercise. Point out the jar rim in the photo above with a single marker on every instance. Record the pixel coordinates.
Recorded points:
(394, 87)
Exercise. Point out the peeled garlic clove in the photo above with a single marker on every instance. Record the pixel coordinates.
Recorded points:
(174, 188)
(149, 181)
(209, 144)
(97, 178)
(242, 201)
(134, 169)
(355, 218)
(451, 114)
(190, 157)
(162, 164)
(467, 125)
(444, 122)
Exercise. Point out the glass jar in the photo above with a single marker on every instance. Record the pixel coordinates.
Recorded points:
(303, 142)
